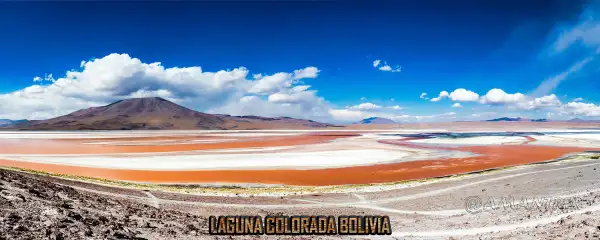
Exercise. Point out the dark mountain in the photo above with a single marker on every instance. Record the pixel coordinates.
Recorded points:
(517, 119)
(540, 120)
(576, 120)
(158, 113)
(506, 119)
(579, 120)
(376, 120)
(8, 122)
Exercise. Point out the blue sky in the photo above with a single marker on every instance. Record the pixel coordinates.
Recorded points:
(513, 46)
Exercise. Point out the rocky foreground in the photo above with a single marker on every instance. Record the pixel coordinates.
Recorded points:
(37, 209)
(41, 207)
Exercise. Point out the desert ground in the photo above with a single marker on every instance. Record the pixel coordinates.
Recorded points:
(435, 182)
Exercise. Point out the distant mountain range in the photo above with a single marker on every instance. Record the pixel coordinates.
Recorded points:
(520, 119)
(158, 113)
(376, 120)
(517, 119)
(579, 120)
(8, 122)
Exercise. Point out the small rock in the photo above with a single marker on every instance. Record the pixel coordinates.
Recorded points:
(21, 228)
(75, 216)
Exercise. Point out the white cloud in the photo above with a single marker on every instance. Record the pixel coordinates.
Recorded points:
(582, 36)
(385, 67)
(445, 116)
(483, 114)
(365, 107)
(516, 101)
(347, 115)
(363, 98)
(276, 82)
(376, 63)
(273, 83)
(118, 76)
(309, 72)
(396, 107)
(48, 78)
(463, 95)
(548, 85)
(442, 95)
(585, 32)
(540, 102)
(295, 96)
(249, 98)
(424, 96)
(579, 108)
(499, 97)
(393, 100)
(578, 99)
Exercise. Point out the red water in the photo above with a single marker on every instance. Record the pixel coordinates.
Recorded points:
(491, 156)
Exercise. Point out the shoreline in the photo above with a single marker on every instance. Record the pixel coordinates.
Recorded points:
(277, 190)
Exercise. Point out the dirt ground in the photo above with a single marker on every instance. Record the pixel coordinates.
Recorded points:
(38, 209)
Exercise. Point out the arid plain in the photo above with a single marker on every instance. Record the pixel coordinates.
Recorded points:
(422, 176)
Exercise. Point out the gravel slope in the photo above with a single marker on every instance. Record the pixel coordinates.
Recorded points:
(37, 209)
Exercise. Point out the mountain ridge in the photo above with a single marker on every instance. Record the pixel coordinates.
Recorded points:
(516, 119)
(159, 114)
(9, 122)
(376, 120)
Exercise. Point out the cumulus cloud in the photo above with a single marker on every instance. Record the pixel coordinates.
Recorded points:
(349, 115)
(47, 77)
(385, 67)
(234, 91)
(442, 95)
(463, 95)
(582, 109)
(458, 95)
(309, 72)
(365, 106)
(518, 101)
(277, 82)
(118, 76)
(540, 102)
(497, 96)
(376, 63)
(445, 116)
